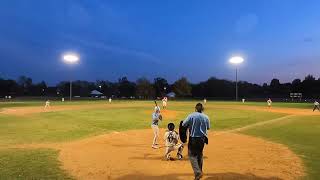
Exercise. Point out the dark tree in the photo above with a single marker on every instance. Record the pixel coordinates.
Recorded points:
(144, 89)
(275, 83)
(8, 88)
(309, 78)
(108, 88)
(25, 84)
(182, 87)
(160, 85)
(126, 88)
(213, 87)
(296, 86)
(39, 89)
(310, 87)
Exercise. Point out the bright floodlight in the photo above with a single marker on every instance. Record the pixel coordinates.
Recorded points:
(70, 58)
(236, 60)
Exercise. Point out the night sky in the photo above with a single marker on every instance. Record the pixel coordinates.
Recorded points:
(167, 38)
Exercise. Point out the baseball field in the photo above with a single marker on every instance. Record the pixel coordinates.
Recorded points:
(98, 140)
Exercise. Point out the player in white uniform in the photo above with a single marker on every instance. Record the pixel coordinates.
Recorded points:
(316, 106)
(110, 100)
(47, 105)
(157, 108)
(156, 117)
(204, 101)
(269, 102)
(171, 138)
(164, 102)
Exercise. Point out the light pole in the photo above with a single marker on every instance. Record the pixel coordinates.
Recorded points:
(236, 60)
(70, 58)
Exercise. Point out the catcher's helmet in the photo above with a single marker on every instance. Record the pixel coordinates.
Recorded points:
(171, 126)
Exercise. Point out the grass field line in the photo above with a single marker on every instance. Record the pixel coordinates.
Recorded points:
(260, 124)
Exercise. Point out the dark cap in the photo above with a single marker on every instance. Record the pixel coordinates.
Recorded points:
(199, 108)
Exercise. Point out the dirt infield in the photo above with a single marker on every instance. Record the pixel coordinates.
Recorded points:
(21, 111)
(168, 114)
(128, 155)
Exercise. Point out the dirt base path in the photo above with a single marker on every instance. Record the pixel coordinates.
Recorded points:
(128, 155)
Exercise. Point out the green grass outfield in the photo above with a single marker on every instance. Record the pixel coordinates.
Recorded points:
(300, 133)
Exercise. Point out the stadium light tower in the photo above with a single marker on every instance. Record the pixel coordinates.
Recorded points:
(70, 58)
(236, 60)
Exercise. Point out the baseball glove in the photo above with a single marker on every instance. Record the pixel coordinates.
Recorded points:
(183, 132)
(160, 117)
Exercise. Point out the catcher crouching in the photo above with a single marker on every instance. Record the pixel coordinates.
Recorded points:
(171, 138)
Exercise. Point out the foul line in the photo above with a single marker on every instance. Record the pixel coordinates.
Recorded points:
(259, 124)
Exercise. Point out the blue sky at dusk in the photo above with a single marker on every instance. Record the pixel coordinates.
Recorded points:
(169, 38)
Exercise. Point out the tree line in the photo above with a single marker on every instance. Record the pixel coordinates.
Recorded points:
(143, 88)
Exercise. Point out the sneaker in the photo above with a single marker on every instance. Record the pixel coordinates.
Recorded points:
(199, 176)
(168, 157)
(179, 156)
(155, 147)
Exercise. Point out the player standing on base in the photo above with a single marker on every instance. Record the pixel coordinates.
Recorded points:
(269, 103)
(316, 105)
(164, 102)
(47, 105)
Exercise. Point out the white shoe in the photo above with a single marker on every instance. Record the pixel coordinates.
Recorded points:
(168, 157)
(155, 147)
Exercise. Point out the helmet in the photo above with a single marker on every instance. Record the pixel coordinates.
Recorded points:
(171, 126)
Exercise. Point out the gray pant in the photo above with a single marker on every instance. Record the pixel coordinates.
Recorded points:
(195, 152)
(178, 147)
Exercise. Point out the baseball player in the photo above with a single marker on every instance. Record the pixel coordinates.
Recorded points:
(110, 100)
(164, 102)
(156, 117)
(269, 103)
(157, 108)
(316, 106)
(47, 105)
(204, 101)
(171, 138)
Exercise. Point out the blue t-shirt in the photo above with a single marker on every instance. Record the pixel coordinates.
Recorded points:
(155, 118)
(198, 124)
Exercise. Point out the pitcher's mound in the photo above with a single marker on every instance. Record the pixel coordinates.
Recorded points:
(128, 155)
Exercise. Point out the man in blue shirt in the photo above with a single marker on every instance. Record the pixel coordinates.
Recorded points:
(198, 125)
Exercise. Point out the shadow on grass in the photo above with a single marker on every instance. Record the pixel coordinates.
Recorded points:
(209, 176)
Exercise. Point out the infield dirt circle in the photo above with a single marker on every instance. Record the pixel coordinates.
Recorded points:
(128, 155)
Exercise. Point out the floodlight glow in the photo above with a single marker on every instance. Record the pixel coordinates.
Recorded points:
(70, 58)
(236, 60)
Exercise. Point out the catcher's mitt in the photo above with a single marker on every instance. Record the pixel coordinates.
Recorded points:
(160, 117)
(183, 132)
